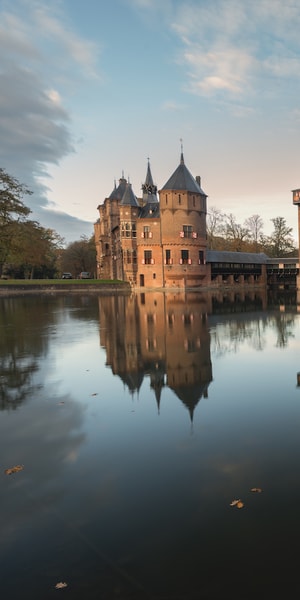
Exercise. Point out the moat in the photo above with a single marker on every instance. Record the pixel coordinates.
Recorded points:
(155, 441)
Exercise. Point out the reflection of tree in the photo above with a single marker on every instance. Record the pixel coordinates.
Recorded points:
(22, 341)
(228, 336)
(283, 323)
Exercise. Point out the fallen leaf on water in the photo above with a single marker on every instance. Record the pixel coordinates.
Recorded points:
(95, 394)
(258, 490)
(60, 585)
(240, 504)
(234, 502)
(14, 469)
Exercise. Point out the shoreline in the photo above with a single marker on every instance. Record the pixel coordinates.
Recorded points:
(16, 289)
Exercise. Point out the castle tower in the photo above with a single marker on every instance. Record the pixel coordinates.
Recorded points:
(183, 229)
(127, 256)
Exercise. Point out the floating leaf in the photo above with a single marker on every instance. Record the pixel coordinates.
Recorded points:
(14, 469)
(60, 585)
(234, 502)
(95, 394)
(240, 504)
(258, 490)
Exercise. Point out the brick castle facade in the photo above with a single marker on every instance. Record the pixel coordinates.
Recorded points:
(158, 240)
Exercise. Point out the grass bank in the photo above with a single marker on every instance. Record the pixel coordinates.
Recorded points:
(23, 286)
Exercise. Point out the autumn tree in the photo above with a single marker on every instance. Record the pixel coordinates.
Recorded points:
(35, 251)
(80, 256)
(12, 211)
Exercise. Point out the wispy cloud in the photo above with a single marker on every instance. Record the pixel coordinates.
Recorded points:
(35, 125)
(235, 48)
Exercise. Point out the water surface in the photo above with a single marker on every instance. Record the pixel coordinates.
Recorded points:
(138, 420)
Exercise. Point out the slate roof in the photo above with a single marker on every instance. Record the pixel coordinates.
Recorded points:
(150, 211)
(129, 198)
(149, 189)
(118, 192)
(182, 179)
(236, 257)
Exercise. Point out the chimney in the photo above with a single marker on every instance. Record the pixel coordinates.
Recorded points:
(198, 179)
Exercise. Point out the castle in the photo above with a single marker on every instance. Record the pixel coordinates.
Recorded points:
(154, 242)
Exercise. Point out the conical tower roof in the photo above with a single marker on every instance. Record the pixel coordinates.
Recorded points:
(129, 199)
(182, 179)
(118, 192)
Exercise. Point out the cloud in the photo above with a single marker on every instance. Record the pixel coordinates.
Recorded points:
(35, 126)
(237, 48)
(171, 105)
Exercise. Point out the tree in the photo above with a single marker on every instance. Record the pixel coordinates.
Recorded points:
(80, 256)
(35, 251)
(280, 242)
(12, 211)
(235, 233)
(255, 226)
(213, 226)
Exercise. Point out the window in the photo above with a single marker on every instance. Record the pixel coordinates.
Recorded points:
(179, 199)
(146, 233)
(151, 344)
(184, 257)
(187, 231)
(168, 259)
(127, 230)
(128, 253)
(201, 257)
(171, 319)
(147, 257)
(134, 257)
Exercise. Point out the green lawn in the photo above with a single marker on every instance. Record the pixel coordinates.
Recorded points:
(66, 282)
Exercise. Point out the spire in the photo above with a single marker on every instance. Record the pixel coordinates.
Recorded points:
(181, 154)
(149, 189)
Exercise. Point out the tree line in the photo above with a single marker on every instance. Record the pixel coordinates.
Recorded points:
(224, 233)
(30, 251)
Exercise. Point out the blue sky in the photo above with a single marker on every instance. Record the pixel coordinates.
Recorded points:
(89, 89)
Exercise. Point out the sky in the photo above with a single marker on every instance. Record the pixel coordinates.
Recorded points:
(92, 89)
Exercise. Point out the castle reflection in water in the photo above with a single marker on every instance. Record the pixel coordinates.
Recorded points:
(166, 338)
